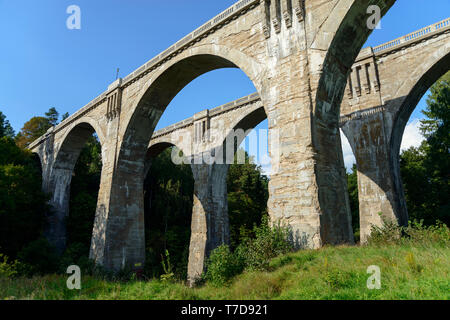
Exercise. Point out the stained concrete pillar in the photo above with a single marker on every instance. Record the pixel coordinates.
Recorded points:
(307, 189)
(210, 225)
(59, 188)
(118, 239)
(378, 197)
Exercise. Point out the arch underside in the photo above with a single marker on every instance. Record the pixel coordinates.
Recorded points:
(436, 71)
(61, 177)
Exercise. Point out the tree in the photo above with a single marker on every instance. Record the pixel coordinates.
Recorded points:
(64, 116)
(36, 127)
(352, 184)
(247, 199)
(5, 128)
(23, 205)
(83, 199)
(426, 170)
(32, 129)
(52, 115)
(168, 200)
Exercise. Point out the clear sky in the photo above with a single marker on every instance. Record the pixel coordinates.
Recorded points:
(43, 64)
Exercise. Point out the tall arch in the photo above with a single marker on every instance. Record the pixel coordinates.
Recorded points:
(126, 237)
(61, 174)
(424, 77)
(346, 39)
(210, 220)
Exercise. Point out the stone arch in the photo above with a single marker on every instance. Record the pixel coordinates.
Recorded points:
(36, 156)
(210, 221)
(158, 147)
(425, 75)
(126, 201)
(332, 52)
(86, 122)
(61, 173)
(172, 78)
(219, 172)
(347, 25)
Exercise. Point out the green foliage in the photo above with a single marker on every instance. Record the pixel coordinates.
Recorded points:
(23, 205)
(8, 269)
(83, 202)
(52, 115)
(31, 130)
(223, 265)
(65, 116)
(416, 233)
(252, 254)
(167, 267)
(168, 199)
(247, 199)
(39, 258)
(426, 170)
(36, 127)
(352, 183)
(269, 242)
(5, 127)
(76, 254)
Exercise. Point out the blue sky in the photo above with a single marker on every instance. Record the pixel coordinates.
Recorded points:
(43, 64)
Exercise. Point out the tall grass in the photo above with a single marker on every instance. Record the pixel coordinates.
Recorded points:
(414, 265)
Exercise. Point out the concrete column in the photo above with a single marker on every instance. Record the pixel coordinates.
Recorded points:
(118, 239)
(307, 189)
(378, 197)
(59, 188)
(210, 225)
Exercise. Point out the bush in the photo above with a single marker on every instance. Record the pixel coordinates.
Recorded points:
(252, 254)
(223, 265)
(414, 234)
(38, 257)
(8, 269)
(269, 243)
(76, 254)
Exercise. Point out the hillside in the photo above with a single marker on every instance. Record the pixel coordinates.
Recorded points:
(408, 271)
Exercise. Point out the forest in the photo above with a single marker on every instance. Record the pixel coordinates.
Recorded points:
(168, 198)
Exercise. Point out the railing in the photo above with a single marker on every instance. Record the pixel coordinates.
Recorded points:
(210, 25)
(444, 24)
(193, 36)
(212, 113)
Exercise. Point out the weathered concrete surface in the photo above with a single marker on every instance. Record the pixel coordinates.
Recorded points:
(384, 87)
(298, 54)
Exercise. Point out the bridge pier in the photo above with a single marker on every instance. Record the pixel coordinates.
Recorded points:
(59, 188)
(210, 225)
(377, 178)
(308, 187)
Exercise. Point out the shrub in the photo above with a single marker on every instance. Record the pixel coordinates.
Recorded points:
(167, 267)
(223, 265)
(415, 233)
(39, 257)
(389, 233)
(75, 254)
(269, 243)
(8, 269)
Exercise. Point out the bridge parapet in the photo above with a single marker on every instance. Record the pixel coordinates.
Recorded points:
(413, 37)
(211, 26)
(364, 75)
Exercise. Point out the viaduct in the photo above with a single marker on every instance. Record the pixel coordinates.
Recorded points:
(304, 58)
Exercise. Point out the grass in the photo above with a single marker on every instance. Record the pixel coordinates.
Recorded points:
(408, 271)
